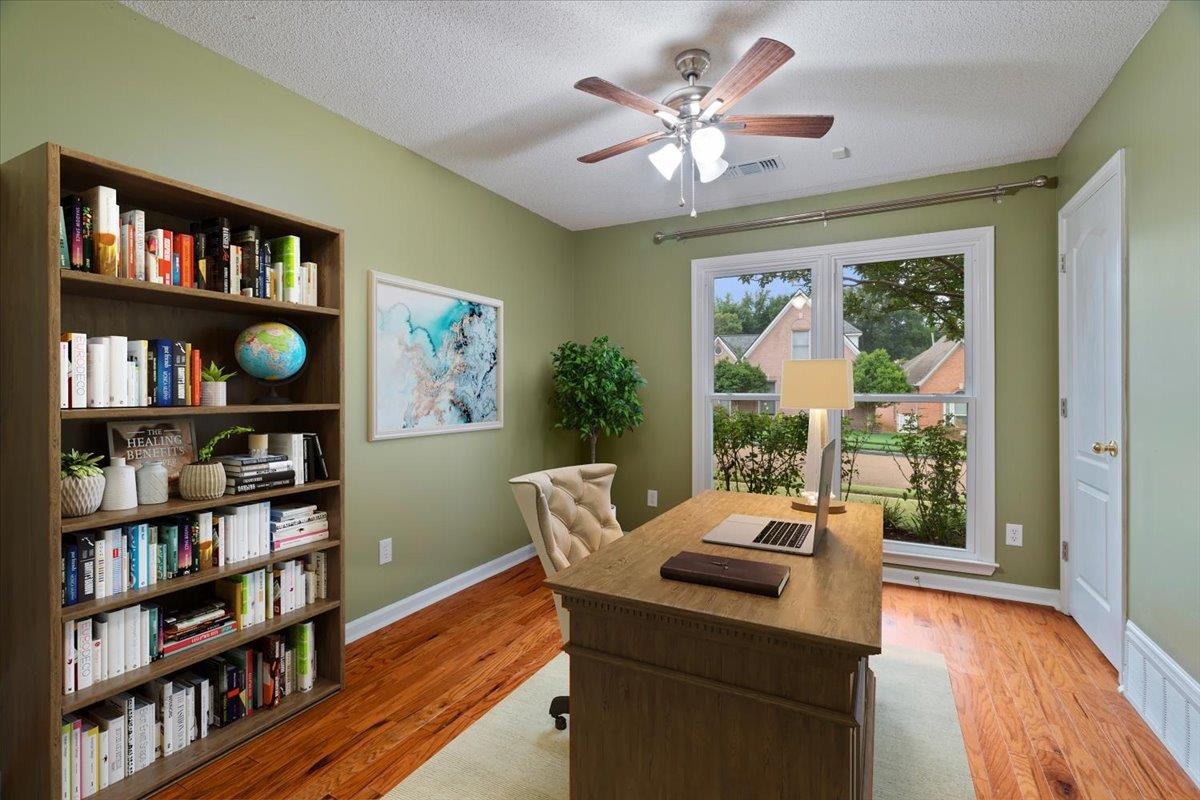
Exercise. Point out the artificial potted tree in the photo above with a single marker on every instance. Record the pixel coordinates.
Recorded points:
(212, 385)
(205, 479)
(82, 483)
(596, 390)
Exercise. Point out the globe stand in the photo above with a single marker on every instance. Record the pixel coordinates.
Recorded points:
(273, 397)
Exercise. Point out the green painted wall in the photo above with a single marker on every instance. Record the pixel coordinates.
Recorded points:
(654, 325)
(1152, 109)
(186, 112)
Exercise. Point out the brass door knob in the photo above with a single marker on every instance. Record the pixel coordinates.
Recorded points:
(1110, 448)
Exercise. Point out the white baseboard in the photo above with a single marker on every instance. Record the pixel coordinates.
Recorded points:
(957, 583)
(380, 618)
(1167, 698)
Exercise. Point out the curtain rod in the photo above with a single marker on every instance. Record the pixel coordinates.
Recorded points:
(995, 192)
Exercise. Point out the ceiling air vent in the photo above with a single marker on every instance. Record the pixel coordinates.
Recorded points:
(749, 168)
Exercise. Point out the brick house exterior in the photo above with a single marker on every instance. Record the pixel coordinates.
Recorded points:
(941, 369)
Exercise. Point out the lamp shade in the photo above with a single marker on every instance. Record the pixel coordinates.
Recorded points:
(818, 383)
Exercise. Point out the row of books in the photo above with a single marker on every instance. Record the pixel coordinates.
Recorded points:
(94, 236)
(118, 372)
(107, 645)
(110, 741)
(289, 455)
(101, 563)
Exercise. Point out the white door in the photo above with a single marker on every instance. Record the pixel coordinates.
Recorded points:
(1092, 378)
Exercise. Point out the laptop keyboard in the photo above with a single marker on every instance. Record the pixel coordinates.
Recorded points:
(783, 534)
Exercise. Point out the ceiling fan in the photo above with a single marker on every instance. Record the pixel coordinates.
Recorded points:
(697, 117)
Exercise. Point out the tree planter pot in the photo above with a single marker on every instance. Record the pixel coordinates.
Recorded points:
(81, 496)
(212, 393)
(202, 481)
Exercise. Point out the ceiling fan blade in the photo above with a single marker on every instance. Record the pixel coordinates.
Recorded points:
(806, 127)
(766, 56)
(623, 147)
(610, 91)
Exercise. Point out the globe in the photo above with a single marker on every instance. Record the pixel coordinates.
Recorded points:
(272, 352)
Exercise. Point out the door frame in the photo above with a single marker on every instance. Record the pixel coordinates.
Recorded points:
(1113, 169)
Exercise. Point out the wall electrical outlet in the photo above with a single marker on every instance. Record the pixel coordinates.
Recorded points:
(385, 550)
(1014, 534)
(652, 498)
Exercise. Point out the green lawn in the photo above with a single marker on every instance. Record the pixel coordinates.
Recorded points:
(878, 442)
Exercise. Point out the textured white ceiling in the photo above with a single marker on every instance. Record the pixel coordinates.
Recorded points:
(484, 88)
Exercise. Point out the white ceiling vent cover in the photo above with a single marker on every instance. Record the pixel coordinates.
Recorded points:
(749, 168)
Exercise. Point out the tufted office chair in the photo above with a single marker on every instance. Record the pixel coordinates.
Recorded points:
(569, 515)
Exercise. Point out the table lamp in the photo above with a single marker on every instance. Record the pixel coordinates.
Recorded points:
(817, 384)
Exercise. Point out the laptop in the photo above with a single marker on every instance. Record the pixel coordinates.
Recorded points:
(779, 535)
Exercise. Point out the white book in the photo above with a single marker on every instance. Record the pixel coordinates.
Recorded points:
(144, 635)
(138, 220)
(69, 657)
(97, 370)
(264, 531)
(102, 769)
(124, 703)
(139, 351)
(118, 378)
(132, 384)
(111, 721)
(99, 661)
(76, 755)
(133, 639)
(260, 596)
(65, 767)
(64, 375)
(89, 764)
(116, 560)
(219, 539)
(292, 446)
(79, 370)
(152, 561)
(102, 578)
(179, 716)
(83, 654)
(164, 711)
(143, 733)
(189, 710)
(114, 643)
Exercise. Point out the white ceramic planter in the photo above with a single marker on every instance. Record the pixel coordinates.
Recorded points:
(120, 488)
(81, 496)
(202, 481)
(213, 393)
(153, 484)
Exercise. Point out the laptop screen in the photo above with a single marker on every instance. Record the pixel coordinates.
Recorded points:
(828, 457)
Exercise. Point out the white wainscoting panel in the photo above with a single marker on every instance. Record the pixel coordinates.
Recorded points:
(1166, 697)
(382, 617)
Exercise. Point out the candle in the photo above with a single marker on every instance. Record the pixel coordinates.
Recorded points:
(258, 444)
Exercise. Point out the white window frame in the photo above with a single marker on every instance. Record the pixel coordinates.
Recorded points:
(977, 245)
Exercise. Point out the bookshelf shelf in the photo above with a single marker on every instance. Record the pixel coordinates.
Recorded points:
(152, 412)
(219, 741)
(174, 663)
(91, 285)
(40, 301)
(176, 505)
(135, 596)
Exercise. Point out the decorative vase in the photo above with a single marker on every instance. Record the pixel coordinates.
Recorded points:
(120, 488)
(202, 481)
(212, 393)
(81, 496)
(152, 483)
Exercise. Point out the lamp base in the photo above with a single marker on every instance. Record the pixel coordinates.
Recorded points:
(808, 502)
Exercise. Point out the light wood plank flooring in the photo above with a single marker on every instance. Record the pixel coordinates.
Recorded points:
(1038, 704)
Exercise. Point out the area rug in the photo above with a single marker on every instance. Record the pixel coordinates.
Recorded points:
(513, 751)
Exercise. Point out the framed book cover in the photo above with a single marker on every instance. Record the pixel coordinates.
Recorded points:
(436, 362)
(171, 441)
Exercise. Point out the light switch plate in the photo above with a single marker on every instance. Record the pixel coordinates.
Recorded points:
(1014, 534)
(385, 550)
(652, 498)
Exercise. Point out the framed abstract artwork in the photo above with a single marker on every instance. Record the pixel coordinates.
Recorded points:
(436, 361)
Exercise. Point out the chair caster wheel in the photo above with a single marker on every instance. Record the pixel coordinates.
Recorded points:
(560, 723)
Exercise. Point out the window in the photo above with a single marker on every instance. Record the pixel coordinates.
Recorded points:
(800, 345)
(915, 315)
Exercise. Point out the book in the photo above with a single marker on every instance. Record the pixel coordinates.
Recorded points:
(248, 241)
(77, 378)
(171, 441)
(105, 228)
(184, 245)
(216, 253)
(179, 365)
(85, 546)
(98, 372)
(278, 483)
(139, 353)
(118, 379)
(136, 219)
(739, 574)
(290, 445)
(64, 375)
(285, 251)
(208, 634)
(72, 206)
(64, 258)
(69, 656)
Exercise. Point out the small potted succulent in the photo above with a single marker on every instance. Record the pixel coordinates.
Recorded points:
(82, 483)
(205, 479)
(212, 385)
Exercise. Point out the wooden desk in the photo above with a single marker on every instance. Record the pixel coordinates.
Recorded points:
(687, 691)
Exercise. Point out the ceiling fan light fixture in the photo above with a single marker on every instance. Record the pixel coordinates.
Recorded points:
(707, 145)
(711, 170)
(666, 159)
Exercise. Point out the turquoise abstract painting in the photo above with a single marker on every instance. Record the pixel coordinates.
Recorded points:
(436, 359)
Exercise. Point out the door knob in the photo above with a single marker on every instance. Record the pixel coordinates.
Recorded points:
(1110, 448)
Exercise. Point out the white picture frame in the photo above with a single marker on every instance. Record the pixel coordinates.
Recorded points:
(385, 399)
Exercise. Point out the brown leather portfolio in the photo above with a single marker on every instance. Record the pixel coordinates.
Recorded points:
(739, 574)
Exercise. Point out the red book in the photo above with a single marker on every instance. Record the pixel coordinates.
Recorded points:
(194, 375)
(187, 264)
(198, 638)
(166, 257)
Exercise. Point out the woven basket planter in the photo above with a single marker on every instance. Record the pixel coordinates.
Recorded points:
(202, 481)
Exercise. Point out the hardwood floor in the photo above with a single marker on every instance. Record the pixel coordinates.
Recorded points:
(1040, 714)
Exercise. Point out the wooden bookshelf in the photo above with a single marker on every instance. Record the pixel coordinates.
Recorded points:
(40, 301)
